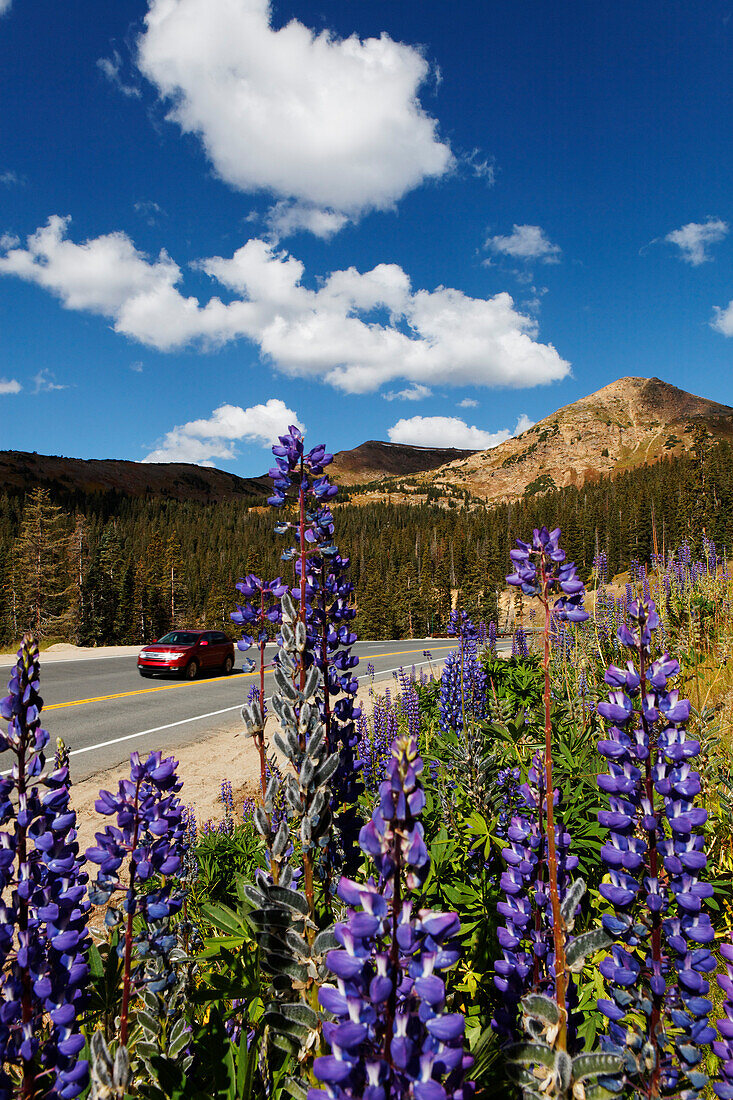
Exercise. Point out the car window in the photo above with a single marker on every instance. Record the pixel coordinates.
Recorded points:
(220, 638)
(179, 637)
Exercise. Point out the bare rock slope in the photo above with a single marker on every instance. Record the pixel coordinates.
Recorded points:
(631, 422)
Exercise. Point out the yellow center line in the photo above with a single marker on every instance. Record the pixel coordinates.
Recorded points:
(215, 680)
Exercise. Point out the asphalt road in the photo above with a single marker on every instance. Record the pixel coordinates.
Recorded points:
(104, 710)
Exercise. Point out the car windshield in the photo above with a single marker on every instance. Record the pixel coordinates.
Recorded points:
(178, 637)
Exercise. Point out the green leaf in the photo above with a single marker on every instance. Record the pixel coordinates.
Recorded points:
(148, 1023)
(290, 899)
(541, 1008)
(301, 1014)
(221, 916)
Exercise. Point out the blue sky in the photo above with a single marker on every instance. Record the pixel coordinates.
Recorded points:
(427, 222)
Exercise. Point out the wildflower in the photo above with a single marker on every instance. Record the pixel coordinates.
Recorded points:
(392, 1037)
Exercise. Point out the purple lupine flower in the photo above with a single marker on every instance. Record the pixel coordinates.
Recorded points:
(258, 615)
(723, 1046)
(491, 638)
(149, 834)
(463, 680)
(391, 1037)
(655, 860)
(410, 703)
(226, 798)
(526, 939)
(519, 644)
(43, 905)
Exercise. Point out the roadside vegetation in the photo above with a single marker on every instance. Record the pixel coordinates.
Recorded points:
(511, 880)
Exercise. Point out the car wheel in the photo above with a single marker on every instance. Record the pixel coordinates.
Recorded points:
(227, 666)
(191, 670)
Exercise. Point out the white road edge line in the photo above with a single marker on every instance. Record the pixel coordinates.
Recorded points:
(197, 718)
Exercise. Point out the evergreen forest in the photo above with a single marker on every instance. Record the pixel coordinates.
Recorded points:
(113, 569)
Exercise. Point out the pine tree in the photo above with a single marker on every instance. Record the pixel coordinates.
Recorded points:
(44, 590)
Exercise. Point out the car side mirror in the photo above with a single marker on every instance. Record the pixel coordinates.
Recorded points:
(154, 641)
(203, 642)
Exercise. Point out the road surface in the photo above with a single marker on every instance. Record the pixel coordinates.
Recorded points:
(104, 710)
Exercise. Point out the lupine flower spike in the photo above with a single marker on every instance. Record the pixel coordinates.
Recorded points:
(149, 835)
(391, 1037)
(539, 570)
(44, 907)
(655, 859)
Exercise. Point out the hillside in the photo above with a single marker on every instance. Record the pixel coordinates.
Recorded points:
(72, 477)
(631, 422)
(373, 460)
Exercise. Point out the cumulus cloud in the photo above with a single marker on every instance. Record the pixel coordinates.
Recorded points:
(286, 218)
(723, 319)
(334, 124)
(526, 242)
(202, 441)
(695, 239)
(9, 178)
(416, 392)
(137, 366)
(5, 6)
(10, 385)
(468, 403)
(451, 431)
(423, 337)
(111, 68)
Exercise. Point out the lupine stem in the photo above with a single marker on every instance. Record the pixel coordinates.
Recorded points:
(558, 934)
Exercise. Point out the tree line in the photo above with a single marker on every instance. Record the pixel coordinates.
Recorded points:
(113, 569)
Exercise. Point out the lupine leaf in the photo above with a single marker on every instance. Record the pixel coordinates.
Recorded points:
(301, 1014)
(541, 1007)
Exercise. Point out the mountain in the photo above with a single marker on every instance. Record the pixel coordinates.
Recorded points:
(69, 477)
(631, 422)
(373, 460)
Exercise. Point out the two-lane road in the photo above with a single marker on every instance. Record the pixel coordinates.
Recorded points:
(104, 710)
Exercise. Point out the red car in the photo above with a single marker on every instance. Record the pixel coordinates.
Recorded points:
(187, 652)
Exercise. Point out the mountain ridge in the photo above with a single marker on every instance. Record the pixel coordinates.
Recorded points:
(630, 422)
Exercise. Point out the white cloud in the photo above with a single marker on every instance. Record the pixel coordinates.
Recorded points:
(723, 319)
(335, 124)
(111, 67)
(525, 242)
(10, 385)
(451, 431)
(286, 218)
(5, 6)
(137, 367)
(45, 382)
(332, 333)
(468, 403)
(415, 392)
(202, 441)
(695, 238)
(9, 178)
(523, 424)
